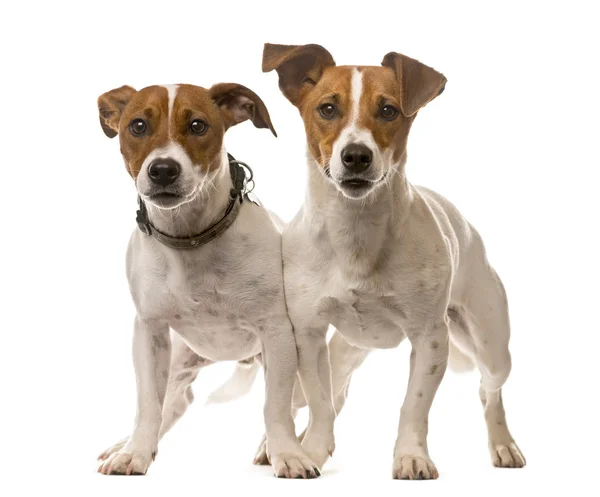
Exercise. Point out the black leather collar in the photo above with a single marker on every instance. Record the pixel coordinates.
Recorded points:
(237, 194)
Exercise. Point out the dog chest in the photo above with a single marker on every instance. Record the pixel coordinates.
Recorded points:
(366, 320)
(219, 339)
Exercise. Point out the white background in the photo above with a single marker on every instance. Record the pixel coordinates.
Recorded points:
(513, 141)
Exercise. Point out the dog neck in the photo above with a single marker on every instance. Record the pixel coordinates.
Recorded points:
(205, 209)
(357, 232)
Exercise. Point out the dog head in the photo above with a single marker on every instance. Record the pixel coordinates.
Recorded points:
(357, 118)
(171, 137)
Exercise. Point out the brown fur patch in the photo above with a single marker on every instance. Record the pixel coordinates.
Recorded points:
(193, 102)
(152, 105)
(380, 88)
(335, 88)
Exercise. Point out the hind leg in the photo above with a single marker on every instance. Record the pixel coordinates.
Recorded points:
(185, 364)
(345, 359)
(482, 330)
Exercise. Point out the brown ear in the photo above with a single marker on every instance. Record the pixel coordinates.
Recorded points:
(419, 83)
(110, 106)
(299, 67)
(238, 103)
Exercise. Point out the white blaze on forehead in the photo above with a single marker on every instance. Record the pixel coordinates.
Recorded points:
(172, 91)
(352, 133)
(356, 93)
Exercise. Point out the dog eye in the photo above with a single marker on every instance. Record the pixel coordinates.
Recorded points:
(138, 127)
(389, 112)
(328, 111)
(198, 127)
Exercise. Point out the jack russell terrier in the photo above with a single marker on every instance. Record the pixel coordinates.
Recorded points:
(381, 259)
(205, 263)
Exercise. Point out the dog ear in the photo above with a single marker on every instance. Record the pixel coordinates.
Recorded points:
(419, 84)
(299, 67)
(238, 103)
(110, 107)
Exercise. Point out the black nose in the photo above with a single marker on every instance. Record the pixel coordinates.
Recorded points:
(356, 157)
(164, 171)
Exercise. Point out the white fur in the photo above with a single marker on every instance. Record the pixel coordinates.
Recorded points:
(238, 385)
(172, 92)
(191, 180)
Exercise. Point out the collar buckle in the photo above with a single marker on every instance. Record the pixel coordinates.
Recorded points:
(141, 218)
(241, 176)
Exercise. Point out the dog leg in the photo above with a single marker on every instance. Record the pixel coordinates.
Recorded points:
(345, 359)
(185, 365)
(315, 377)
(427, 366)
(504, 451)
(151, 359)
(487, 324)
(280, 362)
(261, 457)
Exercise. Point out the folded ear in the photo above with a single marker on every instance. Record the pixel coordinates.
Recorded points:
(299, 67)
(419, 84)
(238, 103)
(110, 107)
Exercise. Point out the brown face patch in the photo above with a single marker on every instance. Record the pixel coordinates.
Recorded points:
(194, 103)
(334, 88)
(380, 90)
(152, 106)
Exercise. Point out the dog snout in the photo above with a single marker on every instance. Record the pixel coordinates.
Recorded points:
(356, 157)
(164, 171)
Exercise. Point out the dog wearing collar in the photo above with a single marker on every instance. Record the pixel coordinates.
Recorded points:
(204, 269)
(381, 259)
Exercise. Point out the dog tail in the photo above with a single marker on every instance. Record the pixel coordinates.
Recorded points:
(239, 384)
(458, 361)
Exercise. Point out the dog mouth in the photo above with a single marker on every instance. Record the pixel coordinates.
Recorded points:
(358, 187)
(357, 183)
(166, 199)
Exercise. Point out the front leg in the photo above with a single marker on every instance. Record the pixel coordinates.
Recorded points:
(280, 363)
(314, 370)
(428, 361)
(151, 360)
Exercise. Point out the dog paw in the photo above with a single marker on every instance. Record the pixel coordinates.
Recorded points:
(111, 450)
(507, 455)
(294, 465)
(124, 462)
(261, 458)
(414, 468)
(319, 449)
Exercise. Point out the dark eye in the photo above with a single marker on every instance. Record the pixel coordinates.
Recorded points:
(138, 127)
(328, 111)
(198, 127)
(389, 112)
